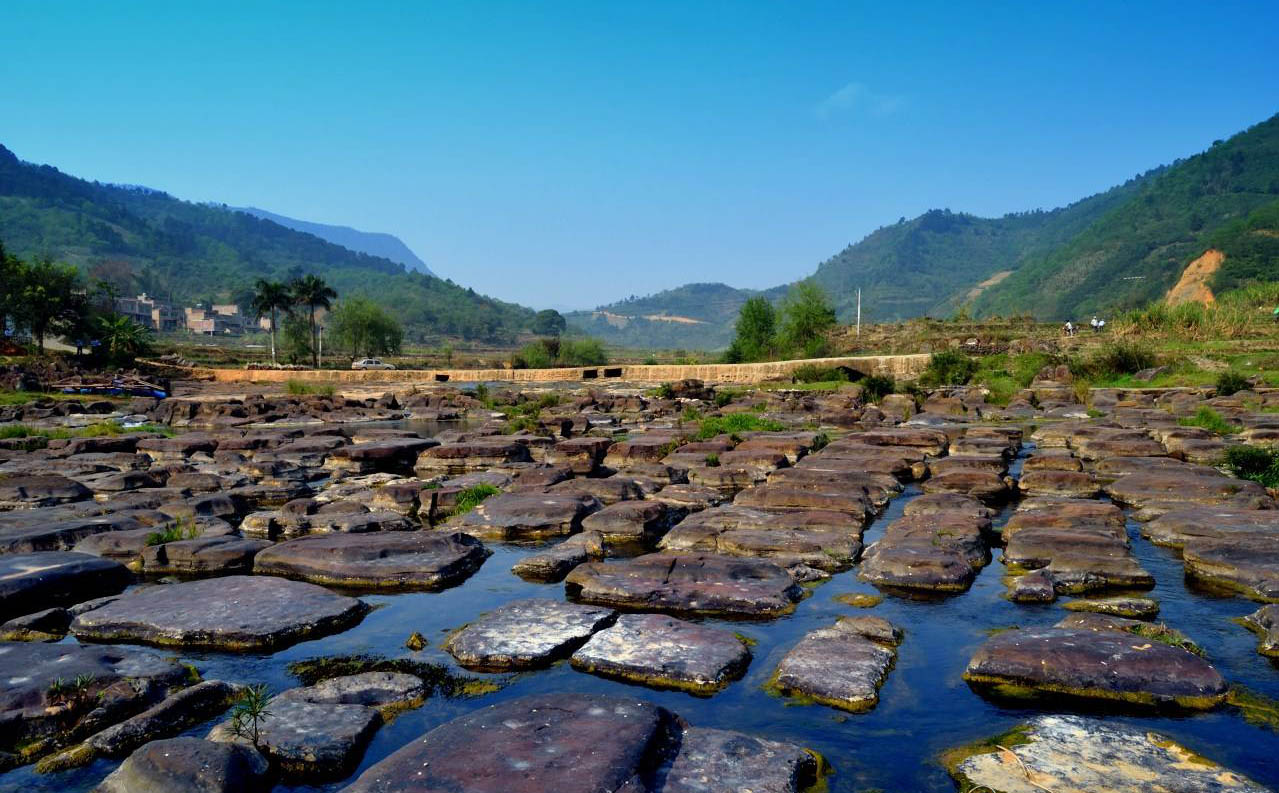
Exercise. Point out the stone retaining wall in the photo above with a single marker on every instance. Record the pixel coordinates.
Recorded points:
(901, 367)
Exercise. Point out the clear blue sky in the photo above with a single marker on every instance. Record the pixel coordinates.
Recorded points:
(568, 154)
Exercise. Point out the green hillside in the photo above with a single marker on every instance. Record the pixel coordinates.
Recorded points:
(146, 240)
(1137, 250)
(932, 264)
(1251, 246)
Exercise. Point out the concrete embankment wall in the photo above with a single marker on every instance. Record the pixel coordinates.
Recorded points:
(901, 367)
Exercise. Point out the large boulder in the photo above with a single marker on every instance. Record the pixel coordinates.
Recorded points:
(230, 613)
(380, 560)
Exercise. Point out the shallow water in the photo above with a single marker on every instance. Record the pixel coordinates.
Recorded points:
(925, 706)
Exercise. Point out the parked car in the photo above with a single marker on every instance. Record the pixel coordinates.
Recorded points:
(371, 363)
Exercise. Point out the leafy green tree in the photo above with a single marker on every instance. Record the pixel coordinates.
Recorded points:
(51, 300)
(549, 323)
(756, 332)
(13, 277)
(312, 291)
(297, 338)
(364, 328)
(271, 297)
(807, 314)
(123, 340)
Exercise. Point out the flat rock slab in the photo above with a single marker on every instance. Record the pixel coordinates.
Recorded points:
(526, 634)
(842, 666)
(40, 490)
(1177, 527)
(32, 582)
(1248, 564)
(371, 689)
(665, 652)
(202, 556)
(829, 541)
(1074, 754)
(723, 761)
(230, 613)
(381, 560)
(1098, 665)
(687, 584)
(28, 707)
(568, 743)
(189, 765)
(938, 552)
(311, 740)
(526, 516)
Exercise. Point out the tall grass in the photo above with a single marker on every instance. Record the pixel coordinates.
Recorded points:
(1235, 314)
(1209, 419)
(735, 423)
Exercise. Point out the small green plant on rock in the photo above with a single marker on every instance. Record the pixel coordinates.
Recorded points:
(948, 368)
(182, 529)
(876, 387)
(250, 711)
(473, 496)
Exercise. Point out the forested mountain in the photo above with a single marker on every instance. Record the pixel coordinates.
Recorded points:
(146, 240)
(1136, 251)
(1114, 250)
(374, 243)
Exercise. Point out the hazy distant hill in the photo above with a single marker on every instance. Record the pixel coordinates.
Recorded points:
(693, 316)
(374, 243)
(144, 239)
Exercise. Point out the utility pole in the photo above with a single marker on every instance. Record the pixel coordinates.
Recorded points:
(859, 312)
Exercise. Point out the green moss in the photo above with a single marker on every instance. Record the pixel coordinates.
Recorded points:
(952, 759)
(1256, 709)
(859, 600)
(746, 640)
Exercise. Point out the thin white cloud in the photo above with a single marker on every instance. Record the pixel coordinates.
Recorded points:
(857, 97)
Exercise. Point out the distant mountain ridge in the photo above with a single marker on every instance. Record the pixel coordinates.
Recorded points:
(374, 243)
(142, 239)
(1117, 249)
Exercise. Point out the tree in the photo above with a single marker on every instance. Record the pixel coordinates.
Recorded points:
(312, 291)
(13, 277)
(549, 323)
(123, 340)
(756, 332)
(271, 297)
(807, 314)
(365, 328)
(296, 342)
(51, 300)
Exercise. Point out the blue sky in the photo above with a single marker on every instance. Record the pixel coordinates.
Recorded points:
(568, 154)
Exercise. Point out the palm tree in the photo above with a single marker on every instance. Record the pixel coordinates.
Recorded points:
(311, 291)
(270, 297)
(123, 340)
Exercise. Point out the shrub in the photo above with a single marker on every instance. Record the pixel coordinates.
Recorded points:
(473, 496)
(1209, 419)
(301, 388)
(712, 460)
(735, 423)
(1231, 382)
(723, 398)
(948, 368)
(1113, 360)
(876, 387)
(664, 391)
(1254, 463)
